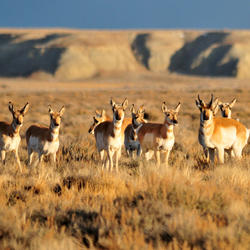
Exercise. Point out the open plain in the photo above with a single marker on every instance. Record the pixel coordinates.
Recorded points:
(74, 205)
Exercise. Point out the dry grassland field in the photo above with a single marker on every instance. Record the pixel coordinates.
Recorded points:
(73, 204)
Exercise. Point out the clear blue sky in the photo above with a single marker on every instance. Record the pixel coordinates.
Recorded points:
(126, 14)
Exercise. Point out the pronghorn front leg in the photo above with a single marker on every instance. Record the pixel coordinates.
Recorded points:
(220, 155)
(30, 156)
(117, 157)
(158, 157)
(54, 157)
(206, 152)
(102, 158)
(139, 151)
(18, 160)
(210, 155)
(3, 153)
(110, 158)
(166, 156)
(39, 160)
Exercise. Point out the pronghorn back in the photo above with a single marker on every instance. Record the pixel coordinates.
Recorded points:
(38, 131)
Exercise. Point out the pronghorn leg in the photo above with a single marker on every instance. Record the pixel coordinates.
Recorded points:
(30, 156)
(232, 154)
(3, 153)
(131, 153)
(54, 157)
(211, 154)
(117, 157)
(102, 158)
(110, 159)
(237, 152)
(39, 160)
(166, 154)
(220, 155)
(128, 152)
(158, 157)
(139, 151)
(18, 160)
(206, 152)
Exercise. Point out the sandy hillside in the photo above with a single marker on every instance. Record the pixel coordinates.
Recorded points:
(79, 54)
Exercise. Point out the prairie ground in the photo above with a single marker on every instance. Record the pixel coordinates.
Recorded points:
(74, 205)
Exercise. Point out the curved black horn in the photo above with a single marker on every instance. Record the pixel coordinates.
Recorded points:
(199, 99)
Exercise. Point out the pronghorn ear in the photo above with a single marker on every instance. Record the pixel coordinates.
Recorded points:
(97, 113)
(25, 108)
(112, 103)
(214, 105)
(103, 113)
(141, 110)
(200, 103)
(11, 107)
(178, 107)
(219, 105)
(125, 104)
(164, 107)
(50, 109)
(232, 103)
(62, 110)
(132, 109)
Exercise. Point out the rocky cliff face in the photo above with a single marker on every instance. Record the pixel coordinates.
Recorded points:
(81, 54)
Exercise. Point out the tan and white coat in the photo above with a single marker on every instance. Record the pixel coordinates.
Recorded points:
(44, 140)
(160, 137)
(9, 133)
(131, 141)
(110, 135)
(220, 133)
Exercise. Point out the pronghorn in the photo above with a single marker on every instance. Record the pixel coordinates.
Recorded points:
(9, 133)
(220, 133)
(131, 140)
(44, 140)
(97, 119)
(160, 136)
(110, 134)
(226, 108)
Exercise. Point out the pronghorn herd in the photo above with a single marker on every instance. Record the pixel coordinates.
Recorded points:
(216, 134)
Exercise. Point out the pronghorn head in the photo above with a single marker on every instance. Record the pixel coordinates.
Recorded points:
(118, 109)
(170, 114)
(207, 110)
(138, 117)
(55, 117)
(226, 108)
(97, 119)
(18, 115)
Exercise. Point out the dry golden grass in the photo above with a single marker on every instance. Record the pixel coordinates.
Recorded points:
(74, 205)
